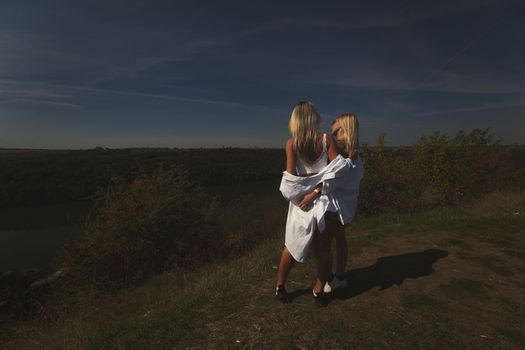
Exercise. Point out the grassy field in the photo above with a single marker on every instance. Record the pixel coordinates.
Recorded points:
(450, 278)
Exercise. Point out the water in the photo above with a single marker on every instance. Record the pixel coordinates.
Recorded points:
(31, 236)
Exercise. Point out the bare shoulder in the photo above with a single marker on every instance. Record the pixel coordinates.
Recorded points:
(290, 157)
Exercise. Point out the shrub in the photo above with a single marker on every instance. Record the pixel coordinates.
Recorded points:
(438, 171)
(453, 170)
(141, 228)
(385, 186)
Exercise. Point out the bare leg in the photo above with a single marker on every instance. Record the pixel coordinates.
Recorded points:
(322, 242)
(286, 263)
(341, 248)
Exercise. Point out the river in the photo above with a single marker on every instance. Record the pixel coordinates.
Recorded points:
(31, 235)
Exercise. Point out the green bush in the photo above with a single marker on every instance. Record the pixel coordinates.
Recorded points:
(438, 171)
(385, 186)
(452, 170)
(141, 228)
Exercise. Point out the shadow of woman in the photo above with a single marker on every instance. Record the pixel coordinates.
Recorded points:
(390, 270)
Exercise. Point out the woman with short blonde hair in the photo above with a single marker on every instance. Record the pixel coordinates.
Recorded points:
(346, 133)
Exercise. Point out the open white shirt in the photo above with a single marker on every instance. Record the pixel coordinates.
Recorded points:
(340, 178)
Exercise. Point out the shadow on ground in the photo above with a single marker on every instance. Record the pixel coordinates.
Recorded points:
(386, 272)
(390, 270)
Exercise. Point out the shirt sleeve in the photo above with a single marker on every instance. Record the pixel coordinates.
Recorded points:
(337, 182)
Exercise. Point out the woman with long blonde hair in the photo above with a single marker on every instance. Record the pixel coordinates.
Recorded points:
(308, 151)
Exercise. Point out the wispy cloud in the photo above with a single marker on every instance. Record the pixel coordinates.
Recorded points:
(360, 18)
(13, 92)
(517, 101)
(382, 76)
(21, 50)
(55, 104)
(56, 94)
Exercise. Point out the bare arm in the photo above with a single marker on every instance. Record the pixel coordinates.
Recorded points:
(333, 152)
(353, 154)
(290, 158)
(309, 198)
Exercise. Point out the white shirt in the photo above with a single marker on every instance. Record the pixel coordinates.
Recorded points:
(301, 225)
(345, 190)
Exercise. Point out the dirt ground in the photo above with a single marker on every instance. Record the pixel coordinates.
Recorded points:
(430, 291)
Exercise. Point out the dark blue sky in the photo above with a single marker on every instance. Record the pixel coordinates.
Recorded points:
(211, 73)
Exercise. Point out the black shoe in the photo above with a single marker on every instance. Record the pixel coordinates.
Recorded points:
(281, 294)
(321, 300)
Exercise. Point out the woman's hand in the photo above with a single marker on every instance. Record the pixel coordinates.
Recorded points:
(353, 154)
(307, 202)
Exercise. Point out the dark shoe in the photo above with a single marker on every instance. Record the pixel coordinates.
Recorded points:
(321, 300)
(281, 294)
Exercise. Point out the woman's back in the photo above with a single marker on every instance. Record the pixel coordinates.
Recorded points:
(325, 152)
(304, 168)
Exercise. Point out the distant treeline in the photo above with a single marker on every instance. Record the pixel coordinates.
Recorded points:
(45, 177)
(439, 168)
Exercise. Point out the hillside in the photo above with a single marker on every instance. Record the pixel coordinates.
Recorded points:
(449, 278)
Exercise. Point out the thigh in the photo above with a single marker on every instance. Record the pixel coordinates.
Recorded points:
(339, 232)
(322, 240)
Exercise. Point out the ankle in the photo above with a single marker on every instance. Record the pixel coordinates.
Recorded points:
(317, 293)
(320, 298)
(281, 294)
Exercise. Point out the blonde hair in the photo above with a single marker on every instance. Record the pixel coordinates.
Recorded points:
(304, 127)
(350, 126)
